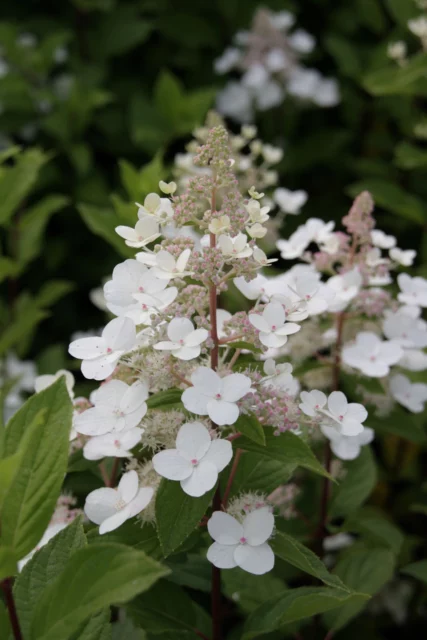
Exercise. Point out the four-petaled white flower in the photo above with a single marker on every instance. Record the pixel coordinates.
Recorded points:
(382, 240)
(280, 376)
(256, 230)
(196, 461)
(154, 205)
(272, 326)
(371, 355)
(165, 266)
(295, 245)
(214, 396)
(412, 290)
(145, 231)
(411, 395)
(219, 225)
(405, 327)
(404, 258)
(242, 545)
(290, 201)
(315, 294)
(347, 447)
(346, 287)
(260, 257)
(253, 289)
(110, 508)
(127, 279)
(236, 247)
(100, 355)
(114, 445)
(185, 340)
(256, 212)
(335, 411)
(45, 381)
(117, 407)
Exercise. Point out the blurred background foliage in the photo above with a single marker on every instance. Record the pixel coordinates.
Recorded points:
(97, 96)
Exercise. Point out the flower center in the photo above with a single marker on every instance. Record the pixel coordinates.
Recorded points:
(117, 444)
(141, 289)
(120, 504)
(341, 418)
(372, 358)
(181, 341)
(218, 396)
(109, 350)
(243, 540)
(274, 327)
(194, 462)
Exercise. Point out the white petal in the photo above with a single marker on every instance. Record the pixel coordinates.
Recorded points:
(235, 386)
(114, 521)
(134, 397)
(141, 500)
(95, 422)
(219, 453)
(257, 560)
(134, 418)
(87, 348)
(259, 322)
(222, 412)
(337, 403)
(356, 411)
(120, 334)
(165, 345)
(165, 260)
(100, 504)
(195, 402)
(196, 337)
(179, 329)
(181, 263)
(171, 465)
(224, 529)
(201, 481)
(187, 353)
(98, 369)
(128, 486)
(272, 340)
(222, 556)
(274, 314)
(193, 441)
(127, 233)
(207, 380)
(109, 394)
(258, 526)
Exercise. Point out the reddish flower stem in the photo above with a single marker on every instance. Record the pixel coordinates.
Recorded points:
(231, 477)
(6, 586)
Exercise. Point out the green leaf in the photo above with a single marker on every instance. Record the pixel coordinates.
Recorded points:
(417, 570)
(287, 448)
(5, 628)
(17, 181)
(44, 567)
(295, 553)
(250, 591)
(374, 527)
(8, 268)
(132, 535)
(296, 604)
(32, 225)
(191, 570)
(359, 481)
(178, 514)
(96, 628)
(102, 222)
(17, 331)
(393, 198)
(165, 399)
(409, 156)
(179, 615)
(118, 32)
(95, 577)
(138, 183)
(52, 291)
(30, 500)
(258, 473)
(168, 97)
(402, 10)
(396, 80)
(362, 570)
(250, 427)
(7, 562)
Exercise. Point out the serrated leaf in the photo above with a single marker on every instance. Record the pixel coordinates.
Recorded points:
(98, 627)
(374, 527)
(178, 514)
(132, 535)
(250, 427)
(257, 473)
(94, 578)
(103, 221)
(250, 591)
(17, 181)
(7, 562)
(165, 399)
(359, 481)
(417, 570)
(396, 80)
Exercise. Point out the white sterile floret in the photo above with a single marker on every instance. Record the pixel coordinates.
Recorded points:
(405, 327)
(346, 287)
(256, 212)
(411, 395)
(312, 402)
(236, 247)
(316, 295)
(382, 240)
(371, 355)
(272, 326)
(154, 205)
(185, 340)
(290, 201)
(117, 407)
(167, 187)
(404, 258)
(256, 230)
(145, 231)
(335, 411)
(219, 225)
(418, 26)
(260, 257)
(280, 376)
(196, 461)
(412, 290)
(347, 447)
(242, 545)
(302, 41)
(127, 279)
(413, 360)
(295, 245)
(253, 289)
(110, 508)
(165, 266)
(100, 355)
(45, 381)
(214, 396)
(114, 445)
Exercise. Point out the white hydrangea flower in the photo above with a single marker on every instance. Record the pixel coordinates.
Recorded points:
(295, 245)
(413, 360)
(272, 325)
(45, 381)
(280, 376)
(227, 61)
(114, 445)
(411, 395)
(418, 26)
(219, 225)
(242, 545)
(129, 277)
(412, 290)
(347, 447)
(404, 258)
(167, 187)
(371, 355)
(405, 327)
(260, 257)
(346, 417)
(256, 212)
(165, 266)
(346, 287)
(154, 205)
(145, 231)
(236, 247)
(185, 340)
(117, 407)
(312, 402)
(256, 230)
(308, 287)
(382, 240)
(290, 201)
(100, 355)
(235, 101)
(302, 41)
(110, 508)
(196, 461)
(214, 396)
(272, 154)
(254, 289)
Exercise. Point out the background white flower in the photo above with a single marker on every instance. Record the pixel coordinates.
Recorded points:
(242, 545)
(114, 445)
(404, 258)
(185, 340)
(154, 205)
(347, 418)
(346, 287)
(196, 461)
(44, 381)
(312, 402)
(145, 231)
(100, 355)
(411, 395)
(371, 355)
(214, 396)
(412, 290)
(272, 325)
(110, 508)
(347, 447)
(236, 247)
(382, 240)
(290, 201)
